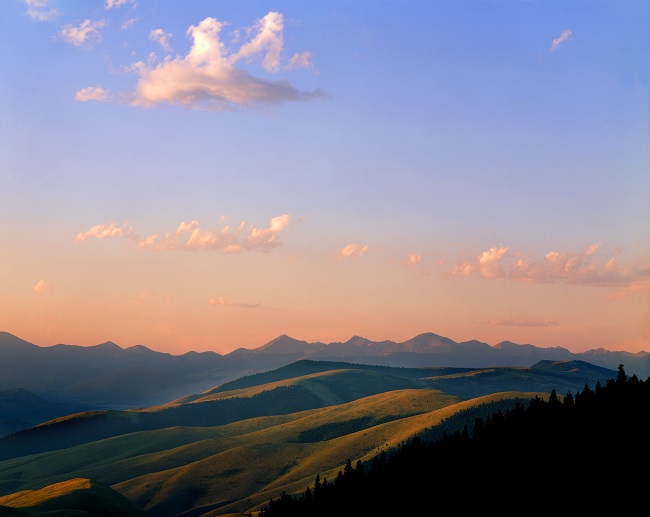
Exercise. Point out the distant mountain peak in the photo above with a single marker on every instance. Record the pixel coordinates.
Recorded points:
(358, 341)
(109, 345)
(284, 344)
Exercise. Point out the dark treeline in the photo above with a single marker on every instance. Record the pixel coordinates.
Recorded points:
(586, 452)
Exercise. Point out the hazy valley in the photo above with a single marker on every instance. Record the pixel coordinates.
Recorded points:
(264, 422)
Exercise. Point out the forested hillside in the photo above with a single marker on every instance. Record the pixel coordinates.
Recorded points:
(577, 453)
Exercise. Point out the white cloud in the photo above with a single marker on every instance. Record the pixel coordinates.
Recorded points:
(220, 301)
(111, 4)
(86, 32)
(565, 36)
(92, 93)
(302, 60)
(40, 10)
(161, 37)
(353, 250)
(192, 237)
(40, 287)
(206, 78)
(268, 39)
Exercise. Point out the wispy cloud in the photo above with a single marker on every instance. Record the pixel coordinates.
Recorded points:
(208, 77)
(524, 321)
(141, 297)
(40, 287)
(86, 32)
(128, 23)
(412, 260)
(302, 60)
(91, 94)
(192, 237)
(40, 10)
(112, 4)
(565, 36)
(640, 285)
(220, 301)
(161, 37)
(353, 250)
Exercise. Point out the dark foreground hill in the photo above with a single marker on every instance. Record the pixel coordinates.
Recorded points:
(578, 454)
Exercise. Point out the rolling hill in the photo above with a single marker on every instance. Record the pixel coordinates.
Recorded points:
(197, 458)
(106, 376)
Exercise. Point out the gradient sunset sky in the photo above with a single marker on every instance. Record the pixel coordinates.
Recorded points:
(208, 175)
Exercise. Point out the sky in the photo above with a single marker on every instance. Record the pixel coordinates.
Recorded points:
(209, 175)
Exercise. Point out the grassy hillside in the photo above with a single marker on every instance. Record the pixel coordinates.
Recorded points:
(233, 448)
(238, 466)
(302, 385)
(71, 498)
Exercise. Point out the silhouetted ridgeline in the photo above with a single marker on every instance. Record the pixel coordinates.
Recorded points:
(578, 453)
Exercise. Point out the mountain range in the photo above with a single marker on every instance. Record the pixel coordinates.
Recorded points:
(226, 451)
(39, 383)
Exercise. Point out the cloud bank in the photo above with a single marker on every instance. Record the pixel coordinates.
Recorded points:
(192, 237)
(586, 268)
(220, 301)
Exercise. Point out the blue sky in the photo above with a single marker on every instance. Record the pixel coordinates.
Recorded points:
(209, 175)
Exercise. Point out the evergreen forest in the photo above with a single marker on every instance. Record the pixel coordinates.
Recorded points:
(578, 453)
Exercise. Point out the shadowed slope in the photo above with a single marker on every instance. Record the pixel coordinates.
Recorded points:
(238, 466)
(74, 497)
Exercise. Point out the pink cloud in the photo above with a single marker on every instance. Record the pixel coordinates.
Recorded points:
(161, 37)
(207, 78)
(637, 286)
(412, 260)
(591, 267)
(489, 262)
(102, 231)
(192, 237)
(353, 250)
(40, 10)
(220, 301)
(565, 36)
(92, 93)
(86, 32)
(523, 321)
(40, 287)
